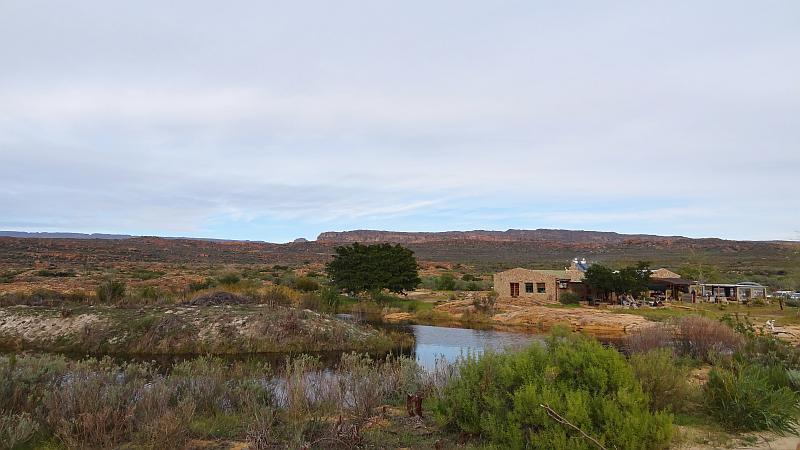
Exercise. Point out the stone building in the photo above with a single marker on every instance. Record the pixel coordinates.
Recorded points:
(546, 286)
(538, 286)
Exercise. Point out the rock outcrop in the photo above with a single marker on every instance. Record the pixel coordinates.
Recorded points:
(595, 321)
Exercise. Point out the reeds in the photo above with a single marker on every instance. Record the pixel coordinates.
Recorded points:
(102, 404)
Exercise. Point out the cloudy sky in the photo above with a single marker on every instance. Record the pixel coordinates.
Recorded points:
(272, 120)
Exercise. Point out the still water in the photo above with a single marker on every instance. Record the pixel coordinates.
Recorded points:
(450, 343)
(432, 343)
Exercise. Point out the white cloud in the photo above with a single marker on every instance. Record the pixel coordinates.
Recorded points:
(412, 114)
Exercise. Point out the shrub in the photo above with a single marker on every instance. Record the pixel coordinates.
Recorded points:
(93, 409)
(446, 282)
(110, 291)
(208, 283)
(16, 430)
(55, 273)
(278, 295)
(383, 297)
(704, 338)
(649, 338)
(360, 385)
(763, 348)
(569, 298)
(7, 277)
(505, 398)
(145, 274)
(664, 379)
(485, 303)
(23, 380)
(769, 351)
(228, 279)
(262, 433)
(305, 284)
(148, 292)
(332, 298)
(746, 398)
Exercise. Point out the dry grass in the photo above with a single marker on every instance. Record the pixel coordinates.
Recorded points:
(698, 337)
(649, 338)
(704, 339)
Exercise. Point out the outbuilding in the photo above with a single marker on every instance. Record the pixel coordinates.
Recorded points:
(538, 286)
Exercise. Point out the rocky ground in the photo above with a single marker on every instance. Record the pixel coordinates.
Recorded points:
(595, 321)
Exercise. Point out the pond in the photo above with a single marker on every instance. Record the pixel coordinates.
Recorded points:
(449, 343)
(432, 343)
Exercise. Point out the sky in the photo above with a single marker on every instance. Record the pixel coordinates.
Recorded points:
(273, 120)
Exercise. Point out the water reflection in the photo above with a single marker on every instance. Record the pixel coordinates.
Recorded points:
(450, 343)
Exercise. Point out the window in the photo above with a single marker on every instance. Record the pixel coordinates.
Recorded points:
(540, 288)
(515, 289)
(529, 288)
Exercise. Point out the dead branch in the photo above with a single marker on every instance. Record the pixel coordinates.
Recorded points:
(558, 418)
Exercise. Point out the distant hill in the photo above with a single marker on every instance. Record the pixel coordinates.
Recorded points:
(490, 249)
(58, 235)
(49, 235)
(540, 235)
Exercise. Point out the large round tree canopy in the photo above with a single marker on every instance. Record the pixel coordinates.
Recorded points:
(368, 268)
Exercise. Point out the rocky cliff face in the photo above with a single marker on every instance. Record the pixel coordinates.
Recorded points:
(539, 235)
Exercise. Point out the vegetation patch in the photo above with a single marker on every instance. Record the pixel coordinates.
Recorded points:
(571, 394)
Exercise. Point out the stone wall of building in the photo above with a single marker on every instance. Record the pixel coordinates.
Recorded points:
(503, 280)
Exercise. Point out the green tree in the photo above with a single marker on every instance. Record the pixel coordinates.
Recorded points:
(601, 279)
(632, 280)
(371, 268)
(628, 280)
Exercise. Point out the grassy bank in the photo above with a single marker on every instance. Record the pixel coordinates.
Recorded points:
(161, 330)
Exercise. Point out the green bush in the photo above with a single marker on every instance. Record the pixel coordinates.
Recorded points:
(55, 273)
(331, 298)
(446, 282)
(751, 397)
(110, 291)
(208, 283)
(664, 379)
(762, 348)
(569, 298)
(16, 430)
(504, 398)
(228, 279)
(148, 292)
(305, 284)
(144, 274)
(7, 277)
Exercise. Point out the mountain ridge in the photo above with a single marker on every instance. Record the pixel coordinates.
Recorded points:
(510, 235)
